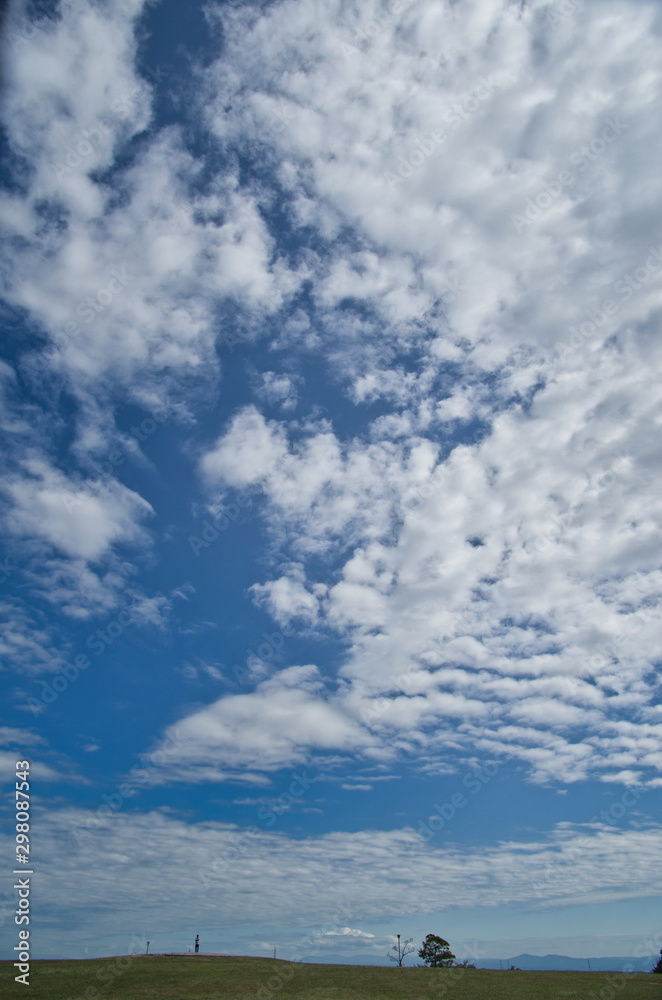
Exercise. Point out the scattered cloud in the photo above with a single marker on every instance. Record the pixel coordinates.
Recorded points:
(393, 278)
(574, 865)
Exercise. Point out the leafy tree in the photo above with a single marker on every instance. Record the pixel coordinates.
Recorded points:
(465, 964)
(658, 967)
(401, 951)
(436, 952)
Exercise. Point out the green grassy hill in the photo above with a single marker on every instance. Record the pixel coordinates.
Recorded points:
(207, 978)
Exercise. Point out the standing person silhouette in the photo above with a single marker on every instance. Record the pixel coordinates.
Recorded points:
(197, 943)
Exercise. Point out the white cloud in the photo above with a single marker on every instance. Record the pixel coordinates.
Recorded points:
(126, 280)
(72, 96)
(24, 742)
(212, 867)
(254, 450)
(25, 642)
(287, 597)
(78, 523)
(352, 932)
(496, 597)
(327, 491)
(510, 584)
(427, 138)
(278, 390)
(38, 771)
(20, 737)
(492, 602)
(71, 535)
(271, 728)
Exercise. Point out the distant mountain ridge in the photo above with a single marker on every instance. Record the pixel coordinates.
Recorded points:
(529, 963)
(564, 963)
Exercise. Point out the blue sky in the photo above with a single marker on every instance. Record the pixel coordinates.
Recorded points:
(330, 500)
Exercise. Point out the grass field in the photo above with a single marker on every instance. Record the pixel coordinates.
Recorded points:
(209, 978)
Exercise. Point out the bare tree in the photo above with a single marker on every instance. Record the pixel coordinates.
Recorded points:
(401, 951)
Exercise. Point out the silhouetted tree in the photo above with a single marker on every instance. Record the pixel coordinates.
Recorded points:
(401, 951)
(658, 967)
(436, 952)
